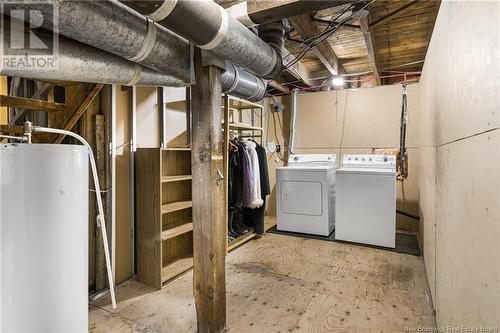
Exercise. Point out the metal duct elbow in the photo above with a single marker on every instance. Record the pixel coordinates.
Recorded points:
(240, 83)
(115, 28)
(209, 26)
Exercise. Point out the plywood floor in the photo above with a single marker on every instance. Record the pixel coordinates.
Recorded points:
(287, 284)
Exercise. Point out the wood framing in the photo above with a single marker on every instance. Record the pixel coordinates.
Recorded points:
(40, 93)
(209, 236)
(80, 110)
(279, 86)
(370, 47)
(30, 104)
(298, 70)
(4, 90)
(324, 51)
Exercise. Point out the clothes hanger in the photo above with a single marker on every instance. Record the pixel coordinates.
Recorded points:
(233, 145)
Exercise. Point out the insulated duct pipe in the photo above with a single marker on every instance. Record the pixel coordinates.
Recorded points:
(113, 27)
(238, 82)
(82, 63)
(208, 25)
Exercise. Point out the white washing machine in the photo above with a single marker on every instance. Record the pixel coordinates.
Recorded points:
(305, 194)
(365, 207)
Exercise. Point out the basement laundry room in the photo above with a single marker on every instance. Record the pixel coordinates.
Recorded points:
(267, 166)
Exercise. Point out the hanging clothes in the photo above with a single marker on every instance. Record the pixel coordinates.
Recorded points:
(248, 186)
(256, 198)
(255, 217)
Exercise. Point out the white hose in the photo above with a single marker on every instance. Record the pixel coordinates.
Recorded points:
(100, 217)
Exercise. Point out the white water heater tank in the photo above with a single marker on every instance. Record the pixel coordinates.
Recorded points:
(43, 238)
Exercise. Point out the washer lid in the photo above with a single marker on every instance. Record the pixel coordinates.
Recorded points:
(367, 171)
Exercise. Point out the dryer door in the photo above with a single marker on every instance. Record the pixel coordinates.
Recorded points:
(302, 197)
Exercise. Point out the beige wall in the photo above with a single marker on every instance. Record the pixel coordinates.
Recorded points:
(355, 121)
(147, 118)
(459, 153)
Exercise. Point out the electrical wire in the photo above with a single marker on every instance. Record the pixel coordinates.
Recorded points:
(322, 36)
(372, 78)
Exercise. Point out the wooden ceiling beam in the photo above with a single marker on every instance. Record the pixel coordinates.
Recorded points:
(278, 86)
(268, 11)
(370, 46)
(306, 28)
(298, 70)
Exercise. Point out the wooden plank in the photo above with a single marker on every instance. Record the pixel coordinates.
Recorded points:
(170, 179)
(241, 240)
(80, 110)
(4, 90)
(11, 129)
(269, 11)
(175, 206)
(41, 93)
(177, 149)
(278, 86)
(30, 104)
(148, 228)
(370, 47)
(176, 231)
(391, 14)
(298, 70)
(306, 28)
(100, 154)
(209, 235)
(176, 266)
(242, 126)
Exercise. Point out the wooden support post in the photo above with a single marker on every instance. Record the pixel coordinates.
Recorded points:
(209, 237)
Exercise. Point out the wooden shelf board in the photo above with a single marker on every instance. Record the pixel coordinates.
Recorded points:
(177, 149)
(240, 240)
(175, 206)
(242, 126)
(170, 179)
(176, 231)
(244, 103)
(176, 266)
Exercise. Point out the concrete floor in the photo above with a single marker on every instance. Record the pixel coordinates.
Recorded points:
(288, 284)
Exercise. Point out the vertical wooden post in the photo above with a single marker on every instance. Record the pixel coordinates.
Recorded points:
(208, 200)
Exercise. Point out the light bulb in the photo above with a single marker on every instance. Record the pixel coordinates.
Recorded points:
(338, 81)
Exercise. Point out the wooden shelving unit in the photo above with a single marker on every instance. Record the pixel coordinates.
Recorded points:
(164, 230)
(235, 121)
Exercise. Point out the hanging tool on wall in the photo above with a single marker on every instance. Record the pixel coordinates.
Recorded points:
(402, 139)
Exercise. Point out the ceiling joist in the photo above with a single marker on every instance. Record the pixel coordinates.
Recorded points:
(306, 28)
(268, 11)
(370, 47)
